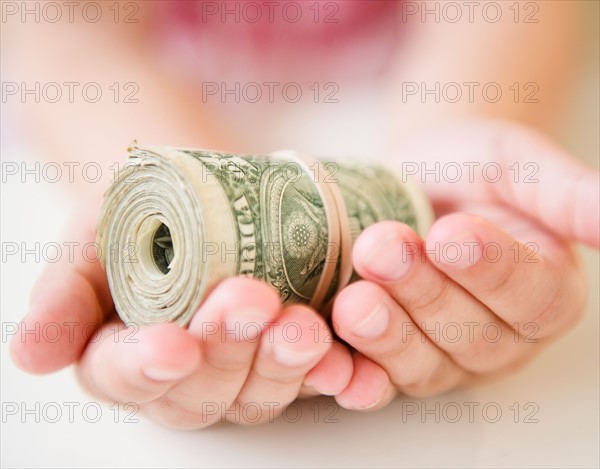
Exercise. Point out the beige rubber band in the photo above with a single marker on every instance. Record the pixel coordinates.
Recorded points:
(333, 225)
(345, 239)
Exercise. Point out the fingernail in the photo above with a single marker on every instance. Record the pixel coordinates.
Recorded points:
(391, 259)
(308, 387)
(307, 383)
(325, 391)
(462, 250)
(289, 357)
(245, 325)
(367, 406)
(374, 324)
(158, 374)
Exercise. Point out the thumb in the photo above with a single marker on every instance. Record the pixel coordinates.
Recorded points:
(534, 175)
(552, 187)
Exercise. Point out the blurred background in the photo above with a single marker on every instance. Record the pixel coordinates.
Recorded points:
(81, 80)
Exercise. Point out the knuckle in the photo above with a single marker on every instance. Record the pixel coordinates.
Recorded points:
(501, 280)
(478, 348)
(403, 348)
(563, 306)
(278, 380)
(171, 414)
(394, 357)
(432, 300)
(550, 310)
(225, 369)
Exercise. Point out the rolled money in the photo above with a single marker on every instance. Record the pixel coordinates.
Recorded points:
(177, 221)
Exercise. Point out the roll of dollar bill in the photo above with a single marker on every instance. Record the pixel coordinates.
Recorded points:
(177, 221)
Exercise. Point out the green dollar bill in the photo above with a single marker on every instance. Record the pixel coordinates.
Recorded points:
(177, 221)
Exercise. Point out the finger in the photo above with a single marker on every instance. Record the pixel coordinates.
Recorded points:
(373, 323)
(370, 388)
(137, 364)
(288, 350)
(393, 255)
(513, 280)
(227, 328)
(517, 166)
(333, 373)
(564, 194)
(68, 303)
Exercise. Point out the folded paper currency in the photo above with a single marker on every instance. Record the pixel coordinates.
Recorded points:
(177, 221)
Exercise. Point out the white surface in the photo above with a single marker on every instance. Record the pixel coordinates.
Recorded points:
(563, 383)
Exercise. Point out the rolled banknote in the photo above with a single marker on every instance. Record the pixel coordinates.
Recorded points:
(177, 221)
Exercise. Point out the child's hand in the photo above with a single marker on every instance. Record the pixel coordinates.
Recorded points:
(423, 321)
(182, 378)
(429, 317)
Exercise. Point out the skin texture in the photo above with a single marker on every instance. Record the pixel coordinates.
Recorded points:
(180, 376)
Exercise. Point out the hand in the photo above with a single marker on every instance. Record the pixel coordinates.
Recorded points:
(182, 378)
(431, 315)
